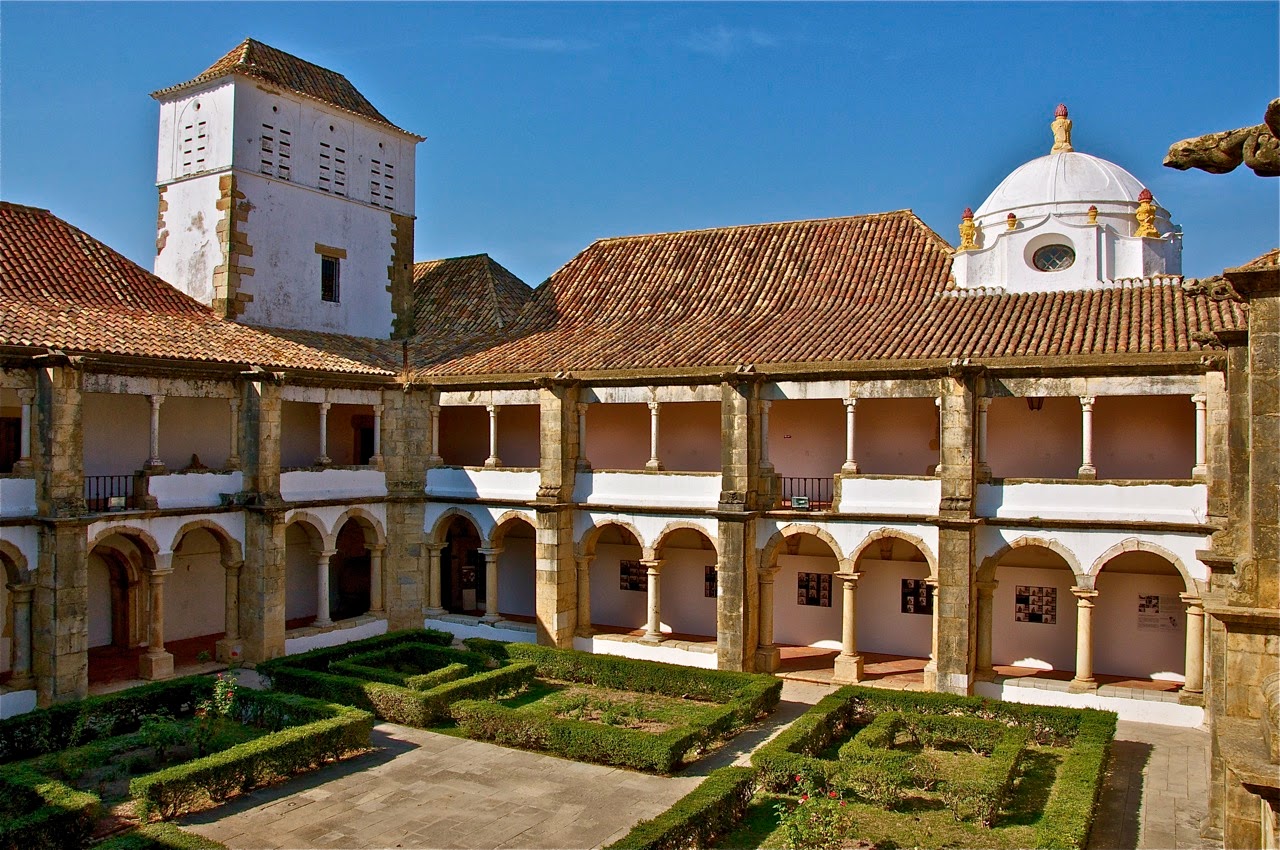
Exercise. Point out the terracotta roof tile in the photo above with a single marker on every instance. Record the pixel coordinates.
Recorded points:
(466, 297)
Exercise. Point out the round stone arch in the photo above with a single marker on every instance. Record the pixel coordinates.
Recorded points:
(367, 522)
(317, 526)
(15, 563)
(150, 548)
(504, 523)
(769, 555)
(898, 534)
(683, 525)
(587, 546)
(1133, 544)
(441, 528)
(231, 550)
(987, 570)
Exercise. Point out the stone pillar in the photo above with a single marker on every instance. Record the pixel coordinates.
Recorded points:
(584, 597)
(849, 663)
(986, 603)
(1087, 469)
(23, 465)
(1194, 667)
(262, 578)
(653, 462)
(20, 666)
(406, 561)
(154, 463)
(1084, 680)
(584, 464)
(490, 585)
(653, 630)
(324, 459)
(155, 663)
(434, 458)
(982, 471)
(767, 654)
(493, 461)
(229, 648)
(561, 418)
(741, 484)
(764, 434)
(850, 458)
(376, 460)
(376, 592)
(434, 606)
(322, 587)
(1201, 469)
(233, 459)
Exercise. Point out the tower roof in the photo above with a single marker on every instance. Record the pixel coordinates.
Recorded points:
(263, 62)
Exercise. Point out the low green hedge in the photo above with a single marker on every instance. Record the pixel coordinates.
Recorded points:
(159, 836)
(710, 811)
(1073, 802)
(320, 659)
(793, 752)
(436, 665)
(53, 814)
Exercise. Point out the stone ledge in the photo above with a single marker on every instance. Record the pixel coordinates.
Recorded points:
(708, 647)
(337, 626)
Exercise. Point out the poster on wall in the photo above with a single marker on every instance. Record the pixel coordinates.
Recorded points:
(814, 589)
(1158, 613)
(632, 576)
(1033, 604)
(917, 596)
(709, 581)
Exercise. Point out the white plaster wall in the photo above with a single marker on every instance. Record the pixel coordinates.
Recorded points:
(164, 529)
(1040, 645)
(882, 627)
(99, 602)
(334, 637)
(618, 435)
(17, 497)
(463, 627)
(191, 250)
(684, 606)
(863, 495)
(1186, 503)
(519, 435)
(516, 577)
(299, 574)
(195, 594)
(13, 703)
(805, 625)
(301, 485)
(25, 538)
(1089, 546)
(217, 108)
(1026, 443)
(1119, 646)
(806, 437)
(464, 436)
(478, 483)
(1134, 710)
(194, 489)
(896, 436)
(610, 605)
(603, 645)
(1144, 436)
(117, 433)
(648, 489)
(851, 535)
(648, 526)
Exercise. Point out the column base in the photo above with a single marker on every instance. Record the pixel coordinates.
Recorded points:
(433, 613)
(21, 682)
(653, 466)
(848, 670)
(376, 462)
(155, 666)
(1077, 686)
(1087, 473)
(492, 463)
(982, 473)
(850, 469)
(652, 639)
(229, 651)
(583, 465)
(1187, 697)
(490, 620)
(154, 467)
(324, 460)
(984, 675)
(768, 659)
(23, 467)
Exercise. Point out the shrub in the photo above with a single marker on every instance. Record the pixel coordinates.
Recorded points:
(427, 659)
(159, 836)
(793, 752)
(707, 812)
(320, 659)
(51, 815)
(1069, 813)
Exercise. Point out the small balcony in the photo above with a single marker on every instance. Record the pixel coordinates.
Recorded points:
(813, 494)
(104, 493)
(474, 482)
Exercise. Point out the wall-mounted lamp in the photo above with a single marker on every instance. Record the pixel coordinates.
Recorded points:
(1035, 402)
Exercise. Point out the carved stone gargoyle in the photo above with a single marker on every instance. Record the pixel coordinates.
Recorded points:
(1217, 153)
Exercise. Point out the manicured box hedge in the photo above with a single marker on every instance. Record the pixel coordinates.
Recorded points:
(53, 814)
(698, 818)
(437, 665)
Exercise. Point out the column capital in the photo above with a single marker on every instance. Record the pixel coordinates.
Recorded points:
(375, 548)
(325, 405)
(232, 566)
(493, 408)
(1194, 601)
(983, 401)
(654, 405)
(234, 401)
(988, 586)
(490, 551)
(765, 576)
(156, 400)
(434, 547)
(26, 396)
(652, 564)
(433, 409)
(326, 553)
(159, 574)
(849, 576)
(1084, 596)
(582, 407)
(1200, 399)
(21, 590)
(849, 401)
(1086, 401)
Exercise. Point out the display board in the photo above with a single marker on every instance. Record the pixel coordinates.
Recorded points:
(917, 596)
(1035, 604)
(632, 575)
(814, 589)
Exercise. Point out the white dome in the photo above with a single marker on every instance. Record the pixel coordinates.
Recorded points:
(1062, 178)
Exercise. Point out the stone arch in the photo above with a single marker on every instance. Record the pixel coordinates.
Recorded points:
(14, 562)
(368, 523)
(316, 525)
(150, 547)
(232, 551)
(987, 570)
(685, 525)
(504, 523)
(886, 532)
(769, 555)
(587, 546)
(1133, 544)
(441, 527)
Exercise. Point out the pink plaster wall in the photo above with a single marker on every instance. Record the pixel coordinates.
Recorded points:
(299, 434)
(806, 437)
(1025, 443)
(117, 433)
(618, 436)
(464, 435)
(688, 436)
(896, 436)
(341, 431)
(519, 443)
(1144, 436)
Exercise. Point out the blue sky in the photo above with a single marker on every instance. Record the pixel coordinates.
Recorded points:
(551, 125)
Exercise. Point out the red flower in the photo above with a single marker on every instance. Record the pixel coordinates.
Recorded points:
(833, 795)
(804, 798)
(842, 802)
(799, 778)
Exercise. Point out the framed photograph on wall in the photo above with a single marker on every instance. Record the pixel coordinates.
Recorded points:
(1035, 604)
(709, 581)
(917, 597)
(632, 575)
(813, 589)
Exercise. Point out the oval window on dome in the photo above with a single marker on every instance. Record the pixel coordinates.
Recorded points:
(1053, 258)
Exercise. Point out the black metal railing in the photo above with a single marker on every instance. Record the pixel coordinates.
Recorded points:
(108, 492)
(819, 492)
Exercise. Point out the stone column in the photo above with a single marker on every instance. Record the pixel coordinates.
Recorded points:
(490, 585)
(156, 663)
(850, 459)
(376, 593)
(324, 459)
(584, 597)
(653, 631)
(584, 465)
(376, 460)
(986, 602)
(262, 578)
(653, 462)
(434, 458)
(154, 464)
(493, 461)
(765, 463)
(322, 587)
(1194, 668)
(229, 648)
(1084, 680)
(233, 459)
(982, 470)
(849, 662)
(767, 654)
(1087, 469)
(434, 608)
(1201, 469)
(20, 667)
(23, 465)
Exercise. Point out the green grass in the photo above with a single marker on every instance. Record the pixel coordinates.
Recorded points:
(575, 701)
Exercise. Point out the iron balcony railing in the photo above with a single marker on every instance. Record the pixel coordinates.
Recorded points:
(108, 492)
(818, 491)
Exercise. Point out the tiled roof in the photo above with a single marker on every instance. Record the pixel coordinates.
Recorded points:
(863, 288)
(466, 296)
(264, 62)
(61, 288)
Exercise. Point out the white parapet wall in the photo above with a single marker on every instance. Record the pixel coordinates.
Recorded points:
(339, 633)
(648, 489)
(462, 626)
(17, 497)
(194, 489)
(1137, 705)
(473, 482)
(673, 652)
(13, 703)
(302, 485)
(883, 495)
(1097, 500)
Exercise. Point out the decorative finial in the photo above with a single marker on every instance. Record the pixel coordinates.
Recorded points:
(1146, 215)
(1061, 131)
(1093, 213)
(968, 231)
(1012, 221)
